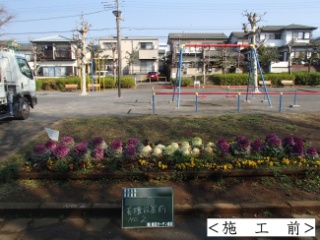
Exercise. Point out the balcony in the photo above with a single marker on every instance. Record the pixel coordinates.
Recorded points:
(63, 54)
(56, 55)
(148, 54)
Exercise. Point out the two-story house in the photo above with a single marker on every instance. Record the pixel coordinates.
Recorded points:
(195, 60)
(139, 55)
(55, 56)
(291, 41)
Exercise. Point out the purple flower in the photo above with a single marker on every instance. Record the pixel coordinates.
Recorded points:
(98, 142)
(273, 141)
(98, 153)
(133, 141)
(242, 142)
(257, 146)
(298, 140)
(61, 151)
(288, 141)
(223, 146)
(81, 149)
(312, 152)
(51, 145)
(271, 135)
(40, 149)
(131, 150)
(298, 149)
(116, 145)
(67, 141)
(40, 153)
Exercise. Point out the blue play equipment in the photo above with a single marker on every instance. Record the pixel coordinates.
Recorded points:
(253, 54)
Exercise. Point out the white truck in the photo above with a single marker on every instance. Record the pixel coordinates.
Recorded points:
(17, 86)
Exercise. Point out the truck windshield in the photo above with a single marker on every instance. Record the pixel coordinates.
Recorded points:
(24, 67)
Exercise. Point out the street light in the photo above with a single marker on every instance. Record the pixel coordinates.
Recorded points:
(117, 14)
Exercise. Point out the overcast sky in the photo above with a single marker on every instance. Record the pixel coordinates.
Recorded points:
(150, 18)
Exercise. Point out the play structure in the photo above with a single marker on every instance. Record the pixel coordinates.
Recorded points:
(253, 55)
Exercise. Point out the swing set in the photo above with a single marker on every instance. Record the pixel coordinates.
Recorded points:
(253, 55)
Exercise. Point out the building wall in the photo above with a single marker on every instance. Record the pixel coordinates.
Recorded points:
(148, 57)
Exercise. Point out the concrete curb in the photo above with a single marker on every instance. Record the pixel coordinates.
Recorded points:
(219, 208)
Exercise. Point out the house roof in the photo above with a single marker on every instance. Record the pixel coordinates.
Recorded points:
(197, 36)
(287, 27)
(203, 36)
(237, 34)
(55, 38)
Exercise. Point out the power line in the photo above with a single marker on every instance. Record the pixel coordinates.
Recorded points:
(43, 19)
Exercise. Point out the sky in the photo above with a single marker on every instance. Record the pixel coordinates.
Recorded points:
(149, 18)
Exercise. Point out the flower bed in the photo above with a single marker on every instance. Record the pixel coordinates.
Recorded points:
(135, 156)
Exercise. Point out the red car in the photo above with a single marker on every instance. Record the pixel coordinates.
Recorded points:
(152, 76)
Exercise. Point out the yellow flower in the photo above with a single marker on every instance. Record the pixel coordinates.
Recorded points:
(271, 163)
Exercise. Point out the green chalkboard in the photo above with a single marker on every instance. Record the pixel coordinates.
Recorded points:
(147, 207)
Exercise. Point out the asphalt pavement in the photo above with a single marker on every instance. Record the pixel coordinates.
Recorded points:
(151, 98)
(145, 99)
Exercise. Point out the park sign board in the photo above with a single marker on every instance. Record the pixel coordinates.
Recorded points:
(147, 207)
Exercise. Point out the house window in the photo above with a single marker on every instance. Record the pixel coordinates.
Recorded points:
(146, 45)
(52, 71)
(146, 66)
(109, 45)
(301, 35)
(277, 36)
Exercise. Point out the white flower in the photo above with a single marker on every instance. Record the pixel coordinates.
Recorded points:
(196, 142)
(185, 144)
(208, 149)
(195, 151)
(169, 150)
(157, 151)
(210, 144)
(161, 146)
(145, 151)
(185, 150)
(175, 145)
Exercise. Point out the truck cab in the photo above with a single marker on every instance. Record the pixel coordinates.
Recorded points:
(17, 86)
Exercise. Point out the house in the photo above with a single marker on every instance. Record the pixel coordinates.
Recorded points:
(195, 60)
(56, 56)
(139, 55)
(291, 40)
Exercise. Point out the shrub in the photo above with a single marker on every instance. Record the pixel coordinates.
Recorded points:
(127, 82)
(184, 81)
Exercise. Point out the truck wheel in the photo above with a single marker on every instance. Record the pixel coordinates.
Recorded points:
(24, 109)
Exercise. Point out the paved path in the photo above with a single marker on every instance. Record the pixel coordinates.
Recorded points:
(54, 106)
(108, 225)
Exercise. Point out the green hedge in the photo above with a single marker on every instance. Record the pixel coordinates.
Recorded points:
(242, 79)
(185, 82)
(228, 79)
(50, 84)
(305, 78)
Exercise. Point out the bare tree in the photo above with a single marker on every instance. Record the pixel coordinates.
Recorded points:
(4, 17)
(83, 30)
(253, 19)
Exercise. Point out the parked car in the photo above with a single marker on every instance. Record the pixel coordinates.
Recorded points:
(152, 76)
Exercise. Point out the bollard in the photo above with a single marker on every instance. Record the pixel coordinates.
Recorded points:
(196, 101)
(295, 98)
(239, 94)
(153, 101)
(280, 102)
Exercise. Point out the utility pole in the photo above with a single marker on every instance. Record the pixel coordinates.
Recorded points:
(84, 28)
(117, 14)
